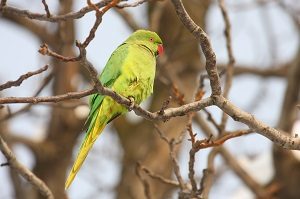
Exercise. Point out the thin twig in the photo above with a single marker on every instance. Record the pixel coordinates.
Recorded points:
(127, 17)
(19, 81)
(176, 165)
(132, 4)
(46, 8)
(28, 106)
(207, 178)
(22, 170)
(258, 190)
(56, 98)
(229, 69)
(159, 177)
(206, 143)
(171, 144)
(211, 119)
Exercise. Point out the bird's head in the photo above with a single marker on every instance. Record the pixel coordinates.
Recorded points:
(147, 38)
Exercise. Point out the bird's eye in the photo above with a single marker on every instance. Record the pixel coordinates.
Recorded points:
(151, 39)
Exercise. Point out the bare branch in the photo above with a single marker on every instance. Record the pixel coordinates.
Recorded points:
(176, 167)
(46, 8)
(158, 177)
(52, 18)
(19, 81)
(233, 163)
(57, 98)
(28, 106)
(206, 143)
(22, 170)
(133, 4)
(278, 137)
(206, 46)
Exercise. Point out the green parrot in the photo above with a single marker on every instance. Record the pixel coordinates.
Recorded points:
(130, 72)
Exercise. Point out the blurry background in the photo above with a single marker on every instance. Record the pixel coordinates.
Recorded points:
(265, 40)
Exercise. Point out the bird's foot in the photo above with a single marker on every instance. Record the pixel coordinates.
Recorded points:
(131, 99)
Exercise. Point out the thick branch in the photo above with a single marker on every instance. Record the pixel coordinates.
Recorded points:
(206, 46)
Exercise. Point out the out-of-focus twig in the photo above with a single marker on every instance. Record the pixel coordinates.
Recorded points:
(146, 185)
(231, 161)
(171, 144)
(127, 17)
(279, 71)
(206, 143)
(159, 177)
(208, 174)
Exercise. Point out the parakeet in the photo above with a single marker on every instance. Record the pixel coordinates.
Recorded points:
(130, 72)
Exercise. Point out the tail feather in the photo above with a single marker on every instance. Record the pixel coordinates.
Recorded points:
(86, 146)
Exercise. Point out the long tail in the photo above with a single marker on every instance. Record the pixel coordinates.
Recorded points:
(87, 144)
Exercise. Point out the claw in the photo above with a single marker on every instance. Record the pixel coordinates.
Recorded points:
(131, 99)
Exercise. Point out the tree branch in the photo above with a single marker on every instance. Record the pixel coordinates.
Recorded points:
(278, 137)
(22, 170)
(52, 18)
(57, 98)
(56, 18)
(19, 81)
(205, 44)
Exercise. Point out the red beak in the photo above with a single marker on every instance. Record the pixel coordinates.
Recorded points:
(160, 49)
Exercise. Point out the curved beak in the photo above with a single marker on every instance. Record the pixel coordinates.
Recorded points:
(160, 49)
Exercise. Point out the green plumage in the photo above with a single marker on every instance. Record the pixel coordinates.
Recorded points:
(130, 71)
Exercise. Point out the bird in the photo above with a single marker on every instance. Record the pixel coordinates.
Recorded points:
(130, 72)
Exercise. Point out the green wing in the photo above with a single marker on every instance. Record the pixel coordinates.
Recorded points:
(110, 73)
